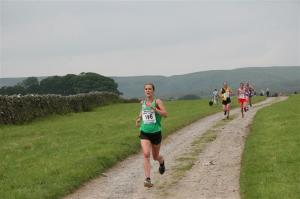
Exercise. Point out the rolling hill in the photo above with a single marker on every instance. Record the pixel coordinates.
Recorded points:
(284, 79)
(277, 79)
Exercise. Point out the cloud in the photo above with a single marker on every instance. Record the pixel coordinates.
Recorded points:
(128, 38)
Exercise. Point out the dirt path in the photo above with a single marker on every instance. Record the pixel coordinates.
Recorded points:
(213, 173)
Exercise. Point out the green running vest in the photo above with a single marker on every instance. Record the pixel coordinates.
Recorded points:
(150, 119)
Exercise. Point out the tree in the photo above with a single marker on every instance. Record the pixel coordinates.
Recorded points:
(65, 85)
(88, 82)
(52, 85)
(30, 85)
(29, 82)
(12, 90)
(82, 83)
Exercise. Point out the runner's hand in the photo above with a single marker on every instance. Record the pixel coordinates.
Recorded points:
(137, 122)
(153, 108)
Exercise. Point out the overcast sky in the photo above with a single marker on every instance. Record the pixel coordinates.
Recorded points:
(126, 38)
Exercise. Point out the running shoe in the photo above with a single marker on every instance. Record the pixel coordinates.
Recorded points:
(148, 183)
(162, 168)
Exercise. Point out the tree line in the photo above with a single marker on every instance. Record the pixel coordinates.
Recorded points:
(64, 85)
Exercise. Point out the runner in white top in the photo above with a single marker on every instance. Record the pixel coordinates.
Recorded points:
(242, 98)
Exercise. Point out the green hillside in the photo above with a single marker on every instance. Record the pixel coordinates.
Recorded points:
(277, 79)
(284, 79)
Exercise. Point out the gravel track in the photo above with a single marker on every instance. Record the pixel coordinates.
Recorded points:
(215, 173)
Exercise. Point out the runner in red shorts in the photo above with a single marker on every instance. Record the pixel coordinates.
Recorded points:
(241, 93)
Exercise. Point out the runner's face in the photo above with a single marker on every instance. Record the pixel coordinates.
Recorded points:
(148, 91)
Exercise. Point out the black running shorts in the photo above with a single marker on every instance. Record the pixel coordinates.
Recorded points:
(154, 138)
(227, 101)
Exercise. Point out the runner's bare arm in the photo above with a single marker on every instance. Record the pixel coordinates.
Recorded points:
(160, 108)
(138, 120)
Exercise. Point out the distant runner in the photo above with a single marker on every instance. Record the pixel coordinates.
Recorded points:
(225, 94)
(241, 94)
(150, 130)
(215, 96)
(249, 93)
(268, 92)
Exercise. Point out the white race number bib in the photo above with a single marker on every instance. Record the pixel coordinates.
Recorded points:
(148, 117)
(242, 96)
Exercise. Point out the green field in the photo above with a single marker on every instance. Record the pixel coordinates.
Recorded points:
(271, 159)
(50, 157)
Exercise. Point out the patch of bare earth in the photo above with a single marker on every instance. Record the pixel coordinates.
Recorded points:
(202, 161)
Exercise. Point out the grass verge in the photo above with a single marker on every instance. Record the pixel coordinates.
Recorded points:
(271, 158)
(52, 156)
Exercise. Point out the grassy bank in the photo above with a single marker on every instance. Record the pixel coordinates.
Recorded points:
(271, 159)
(52, 156)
